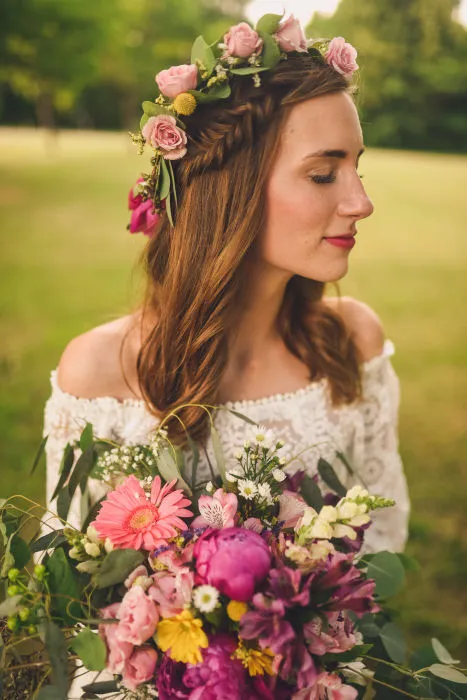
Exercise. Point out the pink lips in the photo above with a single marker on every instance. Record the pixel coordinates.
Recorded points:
(341, 241)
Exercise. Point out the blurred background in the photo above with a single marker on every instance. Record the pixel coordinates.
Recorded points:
(72, 77)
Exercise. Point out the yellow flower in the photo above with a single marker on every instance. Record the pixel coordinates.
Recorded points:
(184, 636)
(184, 103)
(236, 609)
(257, 661)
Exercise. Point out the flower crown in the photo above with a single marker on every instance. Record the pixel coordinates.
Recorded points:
(242, 52)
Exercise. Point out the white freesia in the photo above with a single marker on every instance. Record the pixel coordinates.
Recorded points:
(92, 549)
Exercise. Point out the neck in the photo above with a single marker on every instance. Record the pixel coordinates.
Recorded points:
(256, 332)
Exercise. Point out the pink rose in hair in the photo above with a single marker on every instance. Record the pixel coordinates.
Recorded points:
(162, 132)
(178, 79)
(144, 219)
(290, 35)
(341, 56)
(241, 41)
(139, 668)
(138, 617)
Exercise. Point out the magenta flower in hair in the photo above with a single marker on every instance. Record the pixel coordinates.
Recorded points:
(131, 518)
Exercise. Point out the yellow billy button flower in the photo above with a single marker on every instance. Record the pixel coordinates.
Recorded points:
(236, 609)
(256, 661)
(184, 104)
(184, 636)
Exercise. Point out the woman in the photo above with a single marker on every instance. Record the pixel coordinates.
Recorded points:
(268, 202)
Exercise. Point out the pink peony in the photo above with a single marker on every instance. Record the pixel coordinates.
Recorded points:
(144, 219)
(233, 560)
(139, 668)
(241, 41)
(138, 617)
(129, 518)
(118, 652)
(162, 132)
(172, 592)
(290, 35)
(217, 511)
(178, 79)
(341, 56)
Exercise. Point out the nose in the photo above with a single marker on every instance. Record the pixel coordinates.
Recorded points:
(356, 203)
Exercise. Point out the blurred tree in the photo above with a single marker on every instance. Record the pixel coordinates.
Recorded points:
(412, 55)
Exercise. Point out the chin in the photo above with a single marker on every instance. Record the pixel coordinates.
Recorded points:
(334, 274)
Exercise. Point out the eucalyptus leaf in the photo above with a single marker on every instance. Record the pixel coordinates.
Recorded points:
(39, 454)
(311, 492)
(194, 466)
(143, 121)
(8, 559)
(116, 566)
(218, 453)
(168, 210)
(271, 53)
(173, 185)
(57, 650)
(63, 503)
(169, 470)
(394, 643)
(218, 92)
(409, 563)
(442, 653)
(91, 649)
(87, 437)
(82, 469)
(63, 587)
(49, 541)
(93, 511)
(387, 571)
(20, 551)
(330, 478)
(164, 180)
(151, 109)
(367, 626)
(242, 416)
(269, 23)
(101, 687)
(447, 673)
(202, 52)
(341, 457)
(65, 468)
(249, 70)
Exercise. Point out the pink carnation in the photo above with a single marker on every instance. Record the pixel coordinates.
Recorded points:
(138, 617)
(290, 35)
(241, 41)
(341, 56)
(162, 132)
(118, 652)
(178, 79)
(172, 592)
(139, 668)
(131, 519)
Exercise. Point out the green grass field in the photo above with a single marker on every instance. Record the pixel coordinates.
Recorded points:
(67, 264)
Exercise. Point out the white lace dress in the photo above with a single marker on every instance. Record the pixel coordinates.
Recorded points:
(366, 432)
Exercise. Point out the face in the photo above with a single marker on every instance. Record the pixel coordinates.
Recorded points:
(315, 195)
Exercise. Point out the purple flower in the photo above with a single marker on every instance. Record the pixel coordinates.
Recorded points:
(267, 624)
(345, 585)
(233, 560)
(170, 683)
(298, 665)
(288, 586)
(218, 676)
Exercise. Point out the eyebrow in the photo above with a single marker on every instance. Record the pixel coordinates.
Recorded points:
(334, 153)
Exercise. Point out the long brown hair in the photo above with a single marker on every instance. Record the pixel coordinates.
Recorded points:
(195, 270)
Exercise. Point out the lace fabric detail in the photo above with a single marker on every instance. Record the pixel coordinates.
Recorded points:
(365, 432)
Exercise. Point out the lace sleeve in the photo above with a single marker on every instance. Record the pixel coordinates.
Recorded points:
(376, 455)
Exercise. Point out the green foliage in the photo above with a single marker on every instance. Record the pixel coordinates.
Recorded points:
(57, 650)
(63, 587)
(116, 566)
(91, 649)
(387, 571)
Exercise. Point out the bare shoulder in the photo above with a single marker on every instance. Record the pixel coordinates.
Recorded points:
(93, 364)
(362, 322)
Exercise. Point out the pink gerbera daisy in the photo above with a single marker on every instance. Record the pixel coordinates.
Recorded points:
(130, 518)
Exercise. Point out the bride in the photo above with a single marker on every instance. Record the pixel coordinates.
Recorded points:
(235, 315)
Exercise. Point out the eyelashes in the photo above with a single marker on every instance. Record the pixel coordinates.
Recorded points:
(327, 179)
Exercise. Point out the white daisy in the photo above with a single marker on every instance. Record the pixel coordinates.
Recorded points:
(264, 491)
(205, 598)
(262, 436)
(247, 489)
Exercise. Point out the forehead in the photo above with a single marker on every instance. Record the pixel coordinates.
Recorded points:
(326, 122)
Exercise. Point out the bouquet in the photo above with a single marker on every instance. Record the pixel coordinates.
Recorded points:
(253, 585)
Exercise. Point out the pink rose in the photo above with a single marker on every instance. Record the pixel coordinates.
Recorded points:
(118, 652)
(178, 79)
(138, 617)
(341, 56)
(144, 219)
(241, 41)
(139, 668)
(233, 560)
(172, 592)
(290, 35)
(217, 510)
(162, 132)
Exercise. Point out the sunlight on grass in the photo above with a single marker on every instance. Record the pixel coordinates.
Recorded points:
(66, 264)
